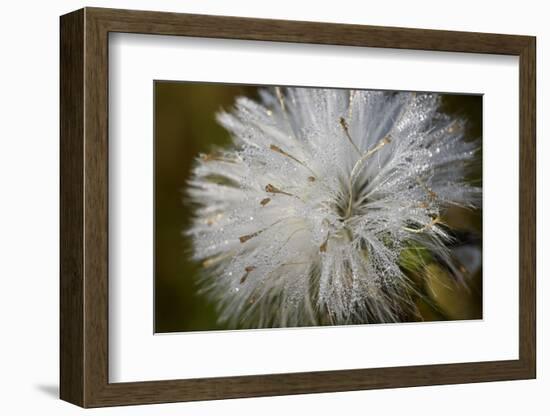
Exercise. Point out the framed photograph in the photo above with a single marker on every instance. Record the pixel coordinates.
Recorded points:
(264, 207)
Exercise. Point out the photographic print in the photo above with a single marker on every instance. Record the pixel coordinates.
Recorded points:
(279, 206)
(206, 226)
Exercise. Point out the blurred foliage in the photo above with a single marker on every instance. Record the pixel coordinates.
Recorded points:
(185, 125)
(452, 298)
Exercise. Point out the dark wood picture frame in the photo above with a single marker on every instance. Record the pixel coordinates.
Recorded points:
(84, 207)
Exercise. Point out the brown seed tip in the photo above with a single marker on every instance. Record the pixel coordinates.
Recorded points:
(245, 238)
(311, 178)
(265, 201)
(323, 247)
(207, 263)
(270, 188)
(247, 270)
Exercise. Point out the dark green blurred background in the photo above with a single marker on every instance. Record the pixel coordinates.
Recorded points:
(185, 125)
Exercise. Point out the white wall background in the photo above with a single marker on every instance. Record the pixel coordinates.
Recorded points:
(29, 86)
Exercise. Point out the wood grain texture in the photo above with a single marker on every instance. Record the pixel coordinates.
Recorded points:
(71, 207)
(527, 208)
(84, 207)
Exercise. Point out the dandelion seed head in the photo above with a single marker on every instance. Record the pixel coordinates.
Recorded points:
(302, 220)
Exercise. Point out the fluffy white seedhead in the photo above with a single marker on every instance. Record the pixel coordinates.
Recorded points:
(303, 219)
